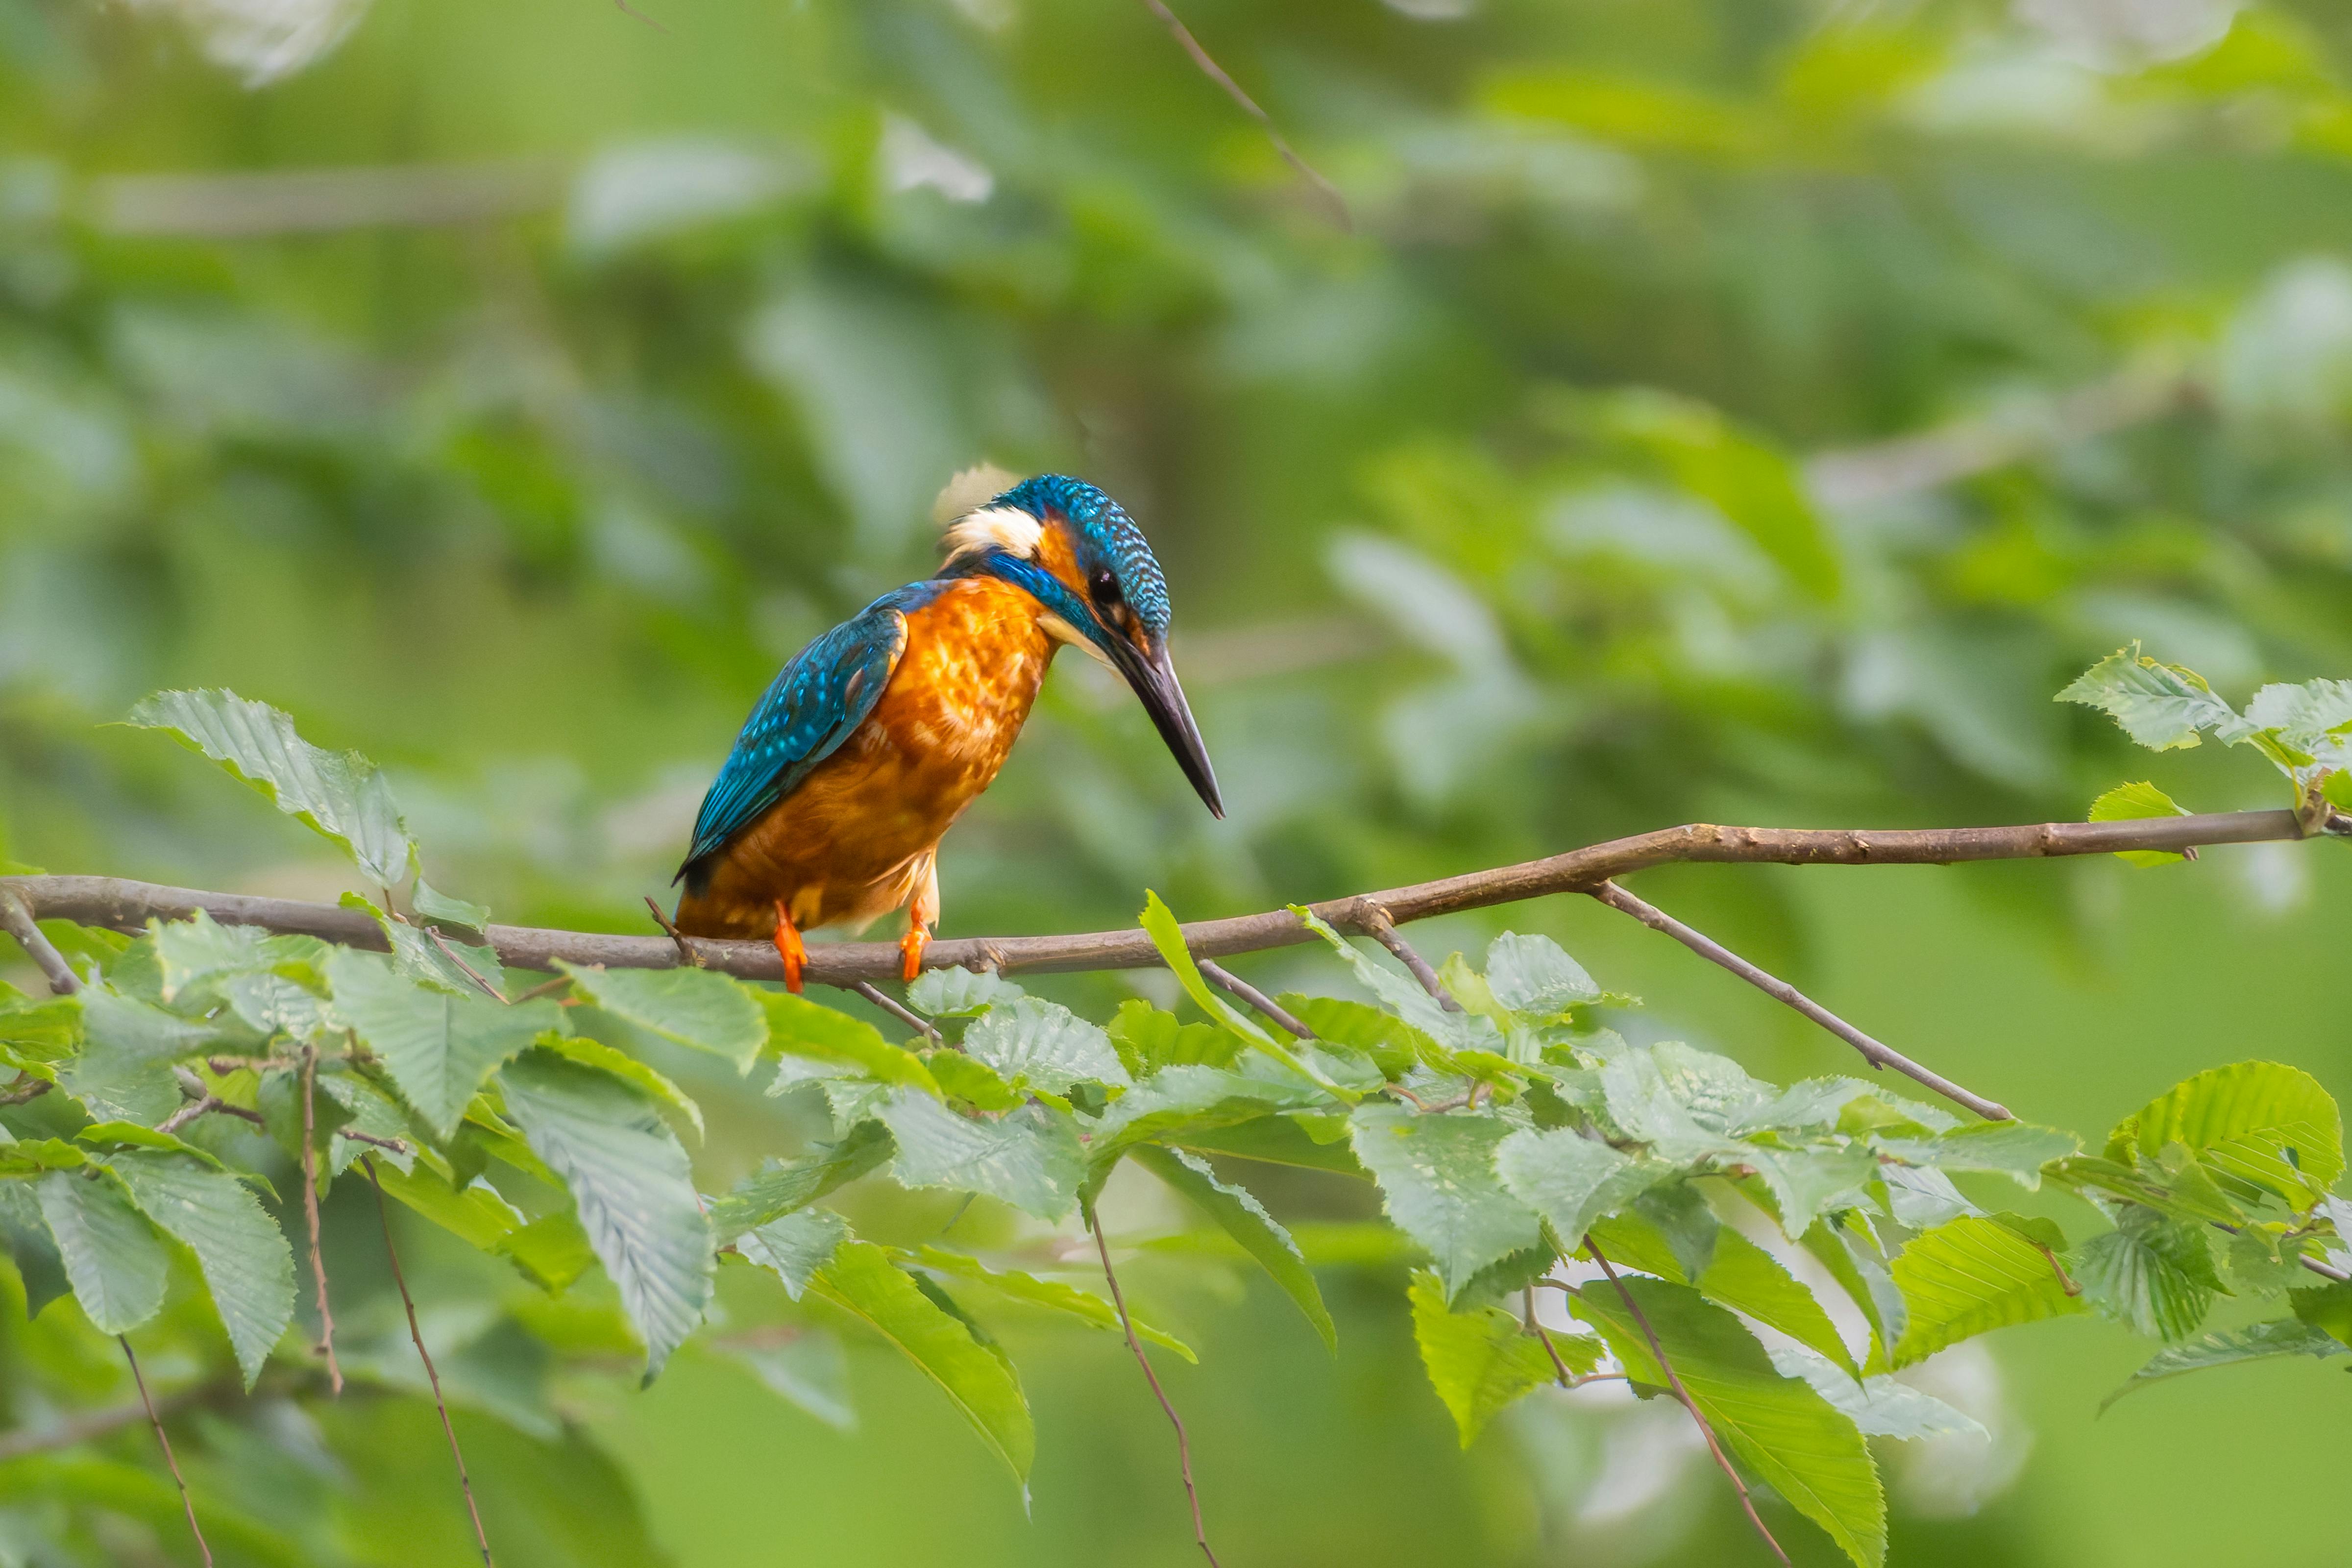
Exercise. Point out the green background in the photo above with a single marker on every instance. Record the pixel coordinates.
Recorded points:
(1502, 523)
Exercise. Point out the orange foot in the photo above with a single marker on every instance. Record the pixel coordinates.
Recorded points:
(789, 948)
(911, 945)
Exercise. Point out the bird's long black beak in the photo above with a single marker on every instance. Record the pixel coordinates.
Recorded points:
(1153, 677)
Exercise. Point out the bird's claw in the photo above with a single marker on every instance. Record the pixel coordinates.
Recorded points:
(790, 949)
(911, 946)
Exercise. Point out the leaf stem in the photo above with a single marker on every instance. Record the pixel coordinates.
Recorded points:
(1375, 921)
(1183, 1444)
(162, 1440)
(1281, 1017)
(311, 1217)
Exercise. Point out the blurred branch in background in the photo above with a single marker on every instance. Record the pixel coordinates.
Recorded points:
(321, 201)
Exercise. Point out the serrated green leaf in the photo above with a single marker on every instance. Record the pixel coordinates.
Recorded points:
(442, 909)
(124, 1072)
(2131, 803)
(1240, 1215)
(2151, 1274)
(1853, 1261)
(1481, 1360)
(1804, 1447)
(1739, 1274)
(1532, 975)
(423, 954)
(1882, 1406)
(1682, 1103)
(794, 1247)
(1806, 1183)
(113, 1256)
(439, 1046)
(131, 1134)
(553, 1251)
(2161, 706)
(1029, 1158)
(475, 1213)
(1571, 1180)
(1438, 1183)
(607, 1058)
(981, 1385)
(1149, 1038)
(2017, 1150)
(799, 1028)
(1404, 996)
(193, 951)
(630, 1185)
(973, 1082)
(1275, 1141)
(1045, 1045)
(1970, 1275)
(2258, 1341)
(246, 1263)
(32, 1156)
(2261, 1123)
(2327, 1308)
(1167, 935)
(779, 1190)
(1393, 1045)
(1052, 1295)
(699, 1008)
(959, 993)
(372, 1110)
(341, 796)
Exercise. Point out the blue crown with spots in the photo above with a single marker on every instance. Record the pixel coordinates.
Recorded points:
(1108, 535)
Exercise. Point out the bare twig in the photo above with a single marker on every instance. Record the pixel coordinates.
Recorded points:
(324, 200)
(16, 919)
(896, 1009)
(25, 1088)
(1233, 89)
(464, 1481)
(1183, 1444)
(311, 1217)
(1224, 979)
(391, 1145)
(1376, 923)
(1674, 1380)
(685, 952)
(544, 988)
(128, 906)
(454, 956)
(205, 1107)
(171, 1461)
(1873, 1052)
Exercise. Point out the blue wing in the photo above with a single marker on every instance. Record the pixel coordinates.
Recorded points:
(814, 705)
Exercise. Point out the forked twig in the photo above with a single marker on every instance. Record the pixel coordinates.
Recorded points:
(17, 921)
(454, 956)
(1876, 1054)
(892, 1005)
(687, 955)
(1183, 1444)
(1233, 89)
(311, 1217)
(1281, 1017)
(464, 1481)
(1375, 923)
(1674, 1380)
(171, 1460)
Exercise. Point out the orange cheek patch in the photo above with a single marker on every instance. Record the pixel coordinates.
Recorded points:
(1057, 554)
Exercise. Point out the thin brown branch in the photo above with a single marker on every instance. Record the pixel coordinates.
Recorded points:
(669, 928)
(464, 1481)
(544, 988)
(1377, 923)
(311, 1217)
(454, 956)
(128, 906)
(16, 919)
(1216, 73)
(1876, 1054)
(391, 1145)
(26, 1089)
(208, 1106)
(163, 1441)
(896, 1009)
(1281, 1017)
(1183, 1444)
(1674, 1380)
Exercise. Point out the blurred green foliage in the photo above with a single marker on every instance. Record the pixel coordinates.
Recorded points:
(1718, 409)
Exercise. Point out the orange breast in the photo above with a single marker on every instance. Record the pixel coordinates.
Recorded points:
(848, 844)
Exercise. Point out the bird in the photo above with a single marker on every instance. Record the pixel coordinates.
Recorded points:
(876, 737)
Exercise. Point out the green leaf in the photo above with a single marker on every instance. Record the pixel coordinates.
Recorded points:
(343, 796)
(1167, 935)
(607, 1058)
(198, 949)
(2161, 706)
(553, 1251)
(1029, 1158)
(799, 1028)
(780, 1189)
(795, 1246)
(1882, 1406)
(1438, 1183)
(131, 1134)
(2327, 1308)
(808, 1371)
(1970, 1275)
(1805, 1447)
(699, 1008)
(2131, 803)
(1047, 1045)
(1149, 1038)
(2258, 1123)
(2018, 1150)
(246, 1263)
(2258, 1341)
(1532, 975)
(959, 993)
(1051, 1294)
(1480, 1361)
(1394, 1045)
(1806, 1183)
(442, 909)
(1682, 1103)
(981, 1385)
(113, 1257)
(423, 954)
(475, 1213)
(2151, 1274)
(1862, 1273)
(1404, 996)
(437, 1046)
(1243, 1217)
(1740, 1275)
(1274, 1141)
(1568, 1178)
(124, 1072)
(630, 1184)
(960, 1077)
(2313, 720)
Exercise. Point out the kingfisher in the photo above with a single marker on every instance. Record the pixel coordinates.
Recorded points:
(878, 735)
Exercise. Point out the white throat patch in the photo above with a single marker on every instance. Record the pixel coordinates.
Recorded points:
(1001, 527)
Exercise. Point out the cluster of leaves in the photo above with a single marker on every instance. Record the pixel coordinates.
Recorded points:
(1512, 1138)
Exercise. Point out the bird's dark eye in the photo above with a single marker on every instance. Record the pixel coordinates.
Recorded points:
(1106, 588)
